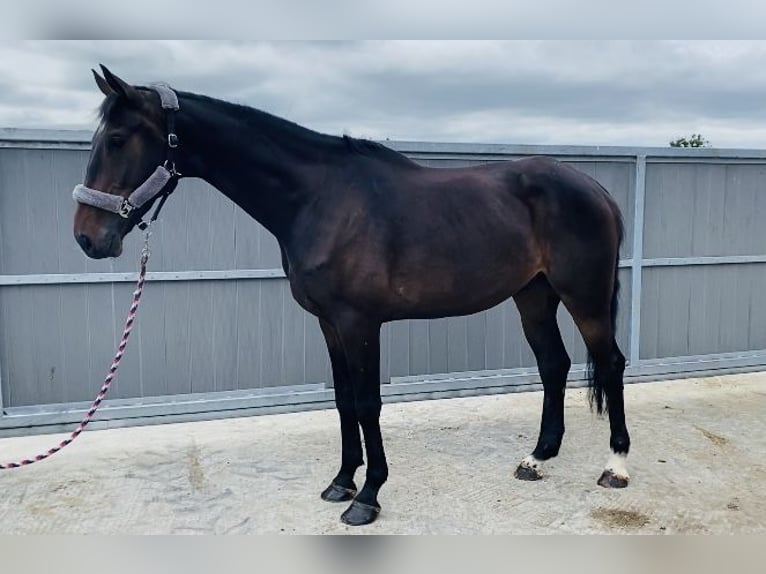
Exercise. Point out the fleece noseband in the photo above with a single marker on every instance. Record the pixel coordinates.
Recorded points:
(161, 182)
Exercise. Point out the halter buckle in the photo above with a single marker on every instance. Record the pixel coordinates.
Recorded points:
(171, 167)
(172, 140)
(126, 208)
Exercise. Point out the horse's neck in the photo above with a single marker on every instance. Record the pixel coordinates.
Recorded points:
(264, 166)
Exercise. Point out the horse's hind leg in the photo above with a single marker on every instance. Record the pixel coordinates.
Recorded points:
(537, 304)
(607, 365)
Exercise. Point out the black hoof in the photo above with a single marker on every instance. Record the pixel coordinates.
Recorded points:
(359, 514)
(524, 472)
(337, 493)
(610, 480)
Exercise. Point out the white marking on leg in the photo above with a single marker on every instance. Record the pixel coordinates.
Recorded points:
(617, 465)
(530, 461)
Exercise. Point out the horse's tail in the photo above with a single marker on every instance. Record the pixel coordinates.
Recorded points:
(596, 391)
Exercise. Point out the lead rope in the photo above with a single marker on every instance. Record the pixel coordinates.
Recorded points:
(112, 370)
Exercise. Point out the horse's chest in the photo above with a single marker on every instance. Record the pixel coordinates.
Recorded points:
(305, 292)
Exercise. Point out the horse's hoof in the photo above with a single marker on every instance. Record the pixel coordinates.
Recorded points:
(528, 469)
(338, 493)
(359, 514)
(611, 480)
(527, 473)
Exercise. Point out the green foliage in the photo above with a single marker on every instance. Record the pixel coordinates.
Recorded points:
(695, 140)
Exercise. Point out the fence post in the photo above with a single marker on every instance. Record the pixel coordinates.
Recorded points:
(638, 255)
(2, 410)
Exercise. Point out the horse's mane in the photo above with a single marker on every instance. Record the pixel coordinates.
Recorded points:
(372, 148)
(248, 114)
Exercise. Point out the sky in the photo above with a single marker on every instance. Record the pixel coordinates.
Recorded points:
(635, 93)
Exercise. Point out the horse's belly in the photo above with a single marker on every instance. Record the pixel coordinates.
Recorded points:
(442, 294)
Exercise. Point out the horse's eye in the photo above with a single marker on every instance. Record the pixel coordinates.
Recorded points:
(116, 141)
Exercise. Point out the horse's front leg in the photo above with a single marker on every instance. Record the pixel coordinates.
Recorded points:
(360, 338)
(342, 488)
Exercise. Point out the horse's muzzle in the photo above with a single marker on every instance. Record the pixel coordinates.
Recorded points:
(109, 246)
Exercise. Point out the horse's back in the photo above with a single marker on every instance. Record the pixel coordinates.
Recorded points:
(504, 202)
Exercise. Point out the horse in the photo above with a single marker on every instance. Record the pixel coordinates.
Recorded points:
(369, 236)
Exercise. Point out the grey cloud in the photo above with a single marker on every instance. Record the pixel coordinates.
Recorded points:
(632, 93)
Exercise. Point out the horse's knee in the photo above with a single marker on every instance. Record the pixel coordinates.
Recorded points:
(368, 410)
(554, 369)
(346, 411)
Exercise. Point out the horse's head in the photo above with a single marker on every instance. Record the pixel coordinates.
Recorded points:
(127, 147)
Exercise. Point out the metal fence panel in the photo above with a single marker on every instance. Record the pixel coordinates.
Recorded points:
(220, 333)
(700, 209)
(703, 309)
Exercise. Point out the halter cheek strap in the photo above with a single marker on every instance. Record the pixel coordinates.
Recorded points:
(162, 181)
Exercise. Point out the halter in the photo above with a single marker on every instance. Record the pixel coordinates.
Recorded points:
(162, 181)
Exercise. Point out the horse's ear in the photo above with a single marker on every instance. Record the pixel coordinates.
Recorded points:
(101, 83)
(119, 86)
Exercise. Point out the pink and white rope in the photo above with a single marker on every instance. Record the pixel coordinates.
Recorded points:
(109, 376)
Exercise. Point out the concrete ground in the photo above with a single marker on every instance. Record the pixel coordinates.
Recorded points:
(698, 465)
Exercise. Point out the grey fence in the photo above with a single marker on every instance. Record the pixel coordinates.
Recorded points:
(219, 334)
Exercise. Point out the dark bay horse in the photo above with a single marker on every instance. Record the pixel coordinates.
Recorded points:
(368, 236)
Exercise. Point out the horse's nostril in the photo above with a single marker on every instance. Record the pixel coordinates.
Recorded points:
(84, 242)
